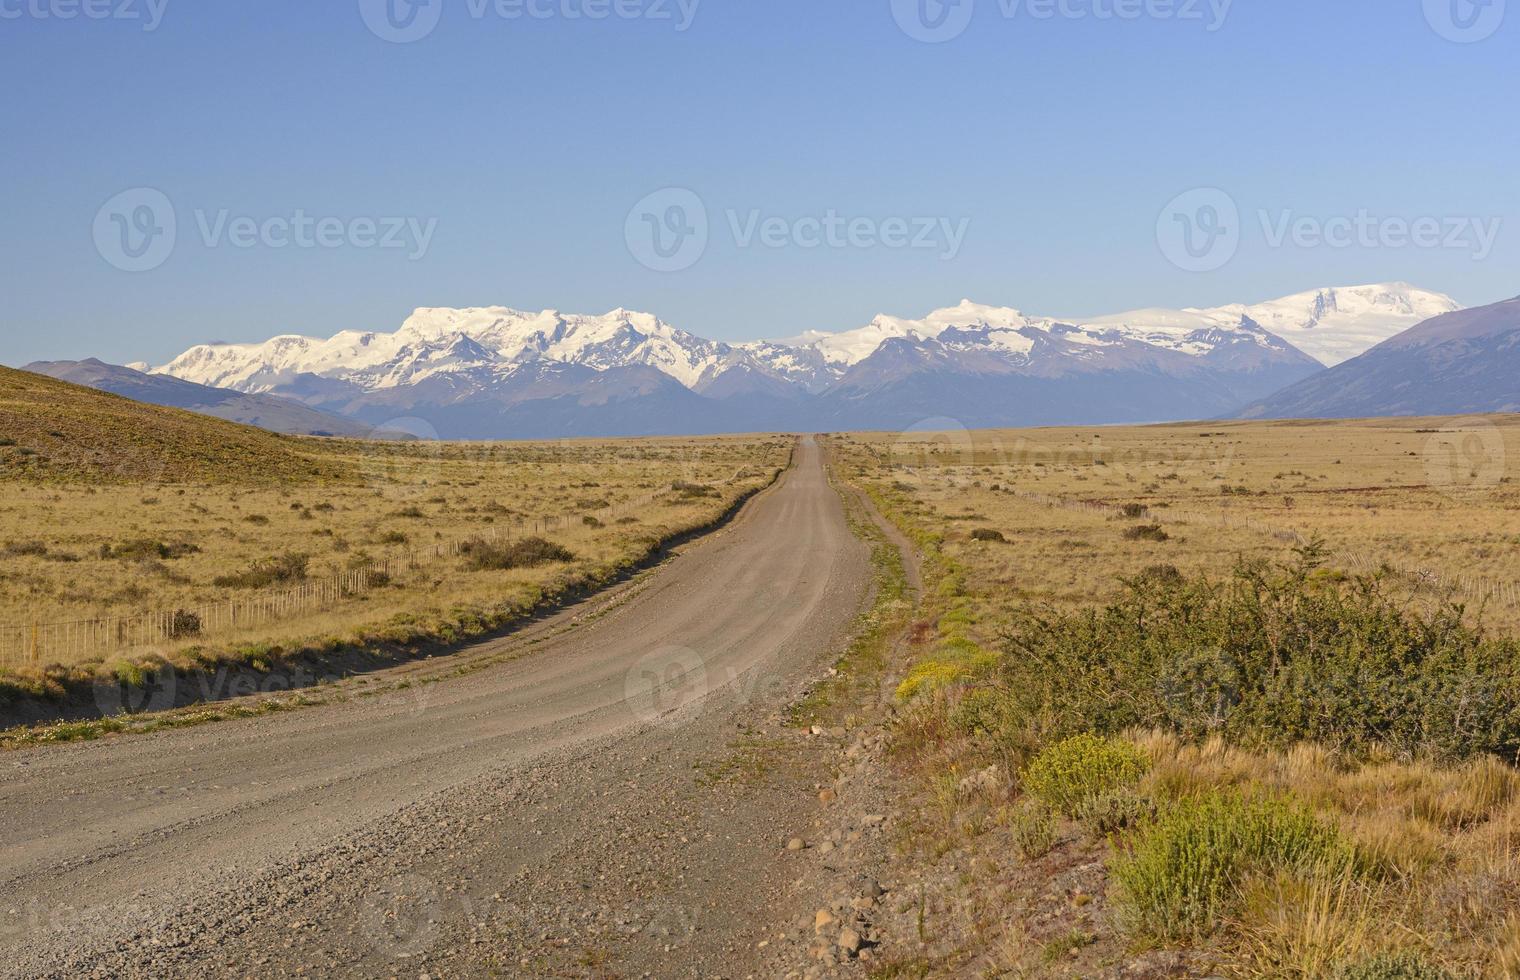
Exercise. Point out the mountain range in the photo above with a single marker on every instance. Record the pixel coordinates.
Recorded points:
(1465, 362)
(496, 372)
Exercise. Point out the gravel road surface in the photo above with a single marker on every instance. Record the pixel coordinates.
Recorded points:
(597, 797)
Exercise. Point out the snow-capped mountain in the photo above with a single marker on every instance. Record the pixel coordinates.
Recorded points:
(1015, 334)
(1330, 325)
(987, 365)
(1461, 363)
(436, 341)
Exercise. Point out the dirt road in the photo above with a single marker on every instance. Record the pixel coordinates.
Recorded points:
(583, 807)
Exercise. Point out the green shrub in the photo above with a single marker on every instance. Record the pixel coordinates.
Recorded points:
(1184, 871)
(1033, 828)
(1070, 773)
(1113, 811)
(987, 534)
(978, 711)
(35, 549)
(1271, 656)
(1401, 966)
(482, 555)
(1147, 532)
(129, 674)
(1133, 511)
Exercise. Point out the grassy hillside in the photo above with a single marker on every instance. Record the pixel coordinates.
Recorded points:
(54, 431)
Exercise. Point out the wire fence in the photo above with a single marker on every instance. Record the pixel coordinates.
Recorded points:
(68, 642)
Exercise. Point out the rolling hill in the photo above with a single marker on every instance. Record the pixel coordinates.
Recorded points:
(52, 430)
(269, 412)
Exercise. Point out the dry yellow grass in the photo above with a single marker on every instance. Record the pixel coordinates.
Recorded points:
(1444, 839)
(55, 432)
(1421, 496)
(74, 551)
(1427, 495)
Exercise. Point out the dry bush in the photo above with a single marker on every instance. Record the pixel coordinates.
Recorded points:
(482, 555)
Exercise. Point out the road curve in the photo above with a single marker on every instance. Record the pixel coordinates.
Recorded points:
(466, 825)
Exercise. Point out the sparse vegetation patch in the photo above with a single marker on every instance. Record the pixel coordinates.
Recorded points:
(483, 555)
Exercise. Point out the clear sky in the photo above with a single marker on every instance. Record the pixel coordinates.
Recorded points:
(514, 151)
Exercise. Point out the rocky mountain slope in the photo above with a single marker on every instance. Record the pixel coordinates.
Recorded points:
(1460, 363)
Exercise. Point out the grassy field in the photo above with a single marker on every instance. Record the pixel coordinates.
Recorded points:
(1207, 699)
(233, 516)
(1433, 497)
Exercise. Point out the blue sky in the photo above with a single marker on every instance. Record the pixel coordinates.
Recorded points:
(521, 145)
